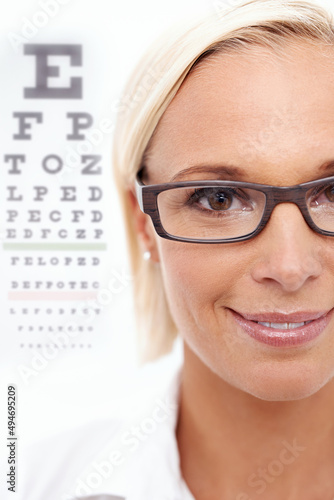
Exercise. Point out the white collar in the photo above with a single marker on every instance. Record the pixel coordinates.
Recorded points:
(159, 459)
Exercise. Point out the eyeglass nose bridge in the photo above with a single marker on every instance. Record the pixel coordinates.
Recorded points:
(294, 195)
(287, 194)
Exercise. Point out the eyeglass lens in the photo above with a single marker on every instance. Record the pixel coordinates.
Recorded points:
(209, 213)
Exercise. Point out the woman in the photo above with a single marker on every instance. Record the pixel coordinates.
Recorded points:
(224, 158)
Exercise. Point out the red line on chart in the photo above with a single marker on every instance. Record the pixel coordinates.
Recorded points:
(52, 296)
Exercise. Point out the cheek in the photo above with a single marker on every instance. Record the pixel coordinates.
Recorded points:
(199, 281)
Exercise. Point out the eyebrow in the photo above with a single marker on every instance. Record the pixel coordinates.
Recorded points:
(222, 171)
(232, 172)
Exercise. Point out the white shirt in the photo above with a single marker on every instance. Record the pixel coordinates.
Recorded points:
(131, 458)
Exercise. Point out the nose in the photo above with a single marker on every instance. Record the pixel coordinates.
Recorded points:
(289, 250)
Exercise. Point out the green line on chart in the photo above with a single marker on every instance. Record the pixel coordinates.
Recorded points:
(55, 246)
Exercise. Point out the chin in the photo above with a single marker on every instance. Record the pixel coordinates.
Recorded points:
(288, 385)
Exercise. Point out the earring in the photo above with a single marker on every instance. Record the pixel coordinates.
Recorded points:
(147, 255)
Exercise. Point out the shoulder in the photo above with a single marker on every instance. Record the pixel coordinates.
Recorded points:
(51, 468)
(99, 457)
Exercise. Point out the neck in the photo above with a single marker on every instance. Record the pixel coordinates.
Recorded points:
(232, 443)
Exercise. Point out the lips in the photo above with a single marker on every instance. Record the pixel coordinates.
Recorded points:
(283, 330)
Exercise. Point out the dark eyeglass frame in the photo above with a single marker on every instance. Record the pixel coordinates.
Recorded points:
(147, 196)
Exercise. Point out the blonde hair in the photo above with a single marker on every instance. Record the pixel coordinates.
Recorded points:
(151, 88)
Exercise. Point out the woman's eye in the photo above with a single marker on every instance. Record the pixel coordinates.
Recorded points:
(217, 199)
(329, 192)
(324, 194)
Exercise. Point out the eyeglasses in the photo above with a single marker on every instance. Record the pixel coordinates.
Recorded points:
(226, 212)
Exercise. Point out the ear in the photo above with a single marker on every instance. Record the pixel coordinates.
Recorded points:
(144, 228)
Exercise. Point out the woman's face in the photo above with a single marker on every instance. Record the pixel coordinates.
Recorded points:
(271, 118)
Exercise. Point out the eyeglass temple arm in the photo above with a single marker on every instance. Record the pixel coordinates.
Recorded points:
(139, 193)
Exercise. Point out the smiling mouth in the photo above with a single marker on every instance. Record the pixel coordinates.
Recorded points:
(271, 329)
